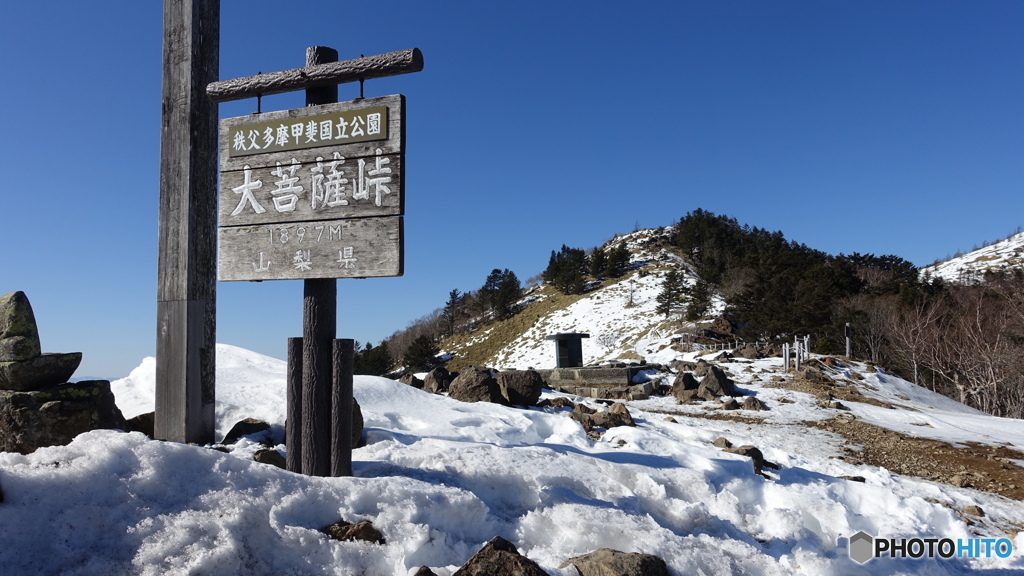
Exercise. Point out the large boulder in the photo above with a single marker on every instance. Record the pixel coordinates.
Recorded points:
(521, 387)
(54, 415)
(39, 372)
(748, 351)
(243, 428)
(357, 425)
(751, 403)
(437, 380)
(717, 383)
(22, 366)
(683, 387)
(701, 368)
(410, 379)
(499, 557)
(685, 381)
(617, 415)
(476, 384)
(608, 562)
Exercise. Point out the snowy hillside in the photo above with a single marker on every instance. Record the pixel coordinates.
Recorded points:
(619, 315)
(1007, 253)
(440, 477)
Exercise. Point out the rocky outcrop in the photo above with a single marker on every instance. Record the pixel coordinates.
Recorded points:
(476, 384)
(499, 557)
(22, 366)
(520, 387)
(54, 415)
(608, 562)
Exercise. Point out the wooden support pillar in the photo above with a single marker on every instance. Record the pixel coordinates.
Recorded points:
(186, 269)
(293, 406)
(319, 327)
(341, 405)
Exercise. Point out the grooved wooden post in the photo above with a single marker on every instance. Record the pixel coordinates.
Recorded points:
(341, 403)
(186, 268)
(293, 416)
(319, 327)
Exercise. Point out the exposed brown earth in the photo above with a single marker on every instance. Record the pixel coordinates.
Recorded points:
(973, 465)
(978, 466)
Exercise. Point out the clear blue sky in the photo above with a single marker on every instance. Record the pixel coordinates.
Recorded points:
(883, 127)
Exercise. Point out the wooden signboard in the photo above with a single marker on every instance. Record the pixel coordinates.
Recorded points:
(315, 192)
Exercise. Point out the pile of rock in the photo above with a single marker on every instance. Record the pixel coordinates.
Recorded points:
(478, 384)
(715, 383)
(37, 407)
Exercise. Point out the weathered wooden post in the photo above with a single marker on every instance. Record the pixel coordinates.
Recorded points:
(319, 327)
(186, 268)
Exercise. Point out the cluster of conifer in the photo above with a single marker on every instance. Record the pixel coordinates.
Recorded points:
(569, 268)
(373, 360)
(775, 288)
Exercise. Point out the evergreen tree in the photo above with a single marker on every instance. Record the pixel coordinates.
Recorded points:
(672, 294)
(598, 263)
(700, 300)
(566, 270)
(421, 355)
(618, 261)
(454, 310)
(373, 360)
(500, 293)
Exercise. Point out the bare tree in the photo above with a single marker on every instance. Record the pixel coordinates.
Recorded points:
(907, 332)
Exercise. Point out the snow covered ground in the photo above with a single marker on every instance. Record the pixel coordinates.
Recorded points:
(440, 477)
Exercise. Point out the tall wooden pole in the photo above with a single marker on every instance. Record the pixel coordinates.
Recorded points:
(319, 327)
(186, 273)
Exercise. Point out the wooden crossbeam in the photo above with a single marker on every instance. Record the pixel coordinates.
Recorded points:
(329, 74)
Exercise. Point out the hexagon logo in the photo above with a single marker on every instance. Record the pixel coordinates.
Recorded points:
(861, 547)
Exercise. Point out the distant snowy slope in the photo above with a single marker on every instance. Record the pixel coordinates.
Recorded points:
(1007, 253)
